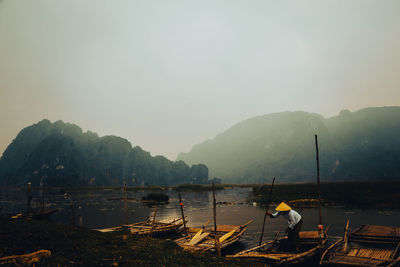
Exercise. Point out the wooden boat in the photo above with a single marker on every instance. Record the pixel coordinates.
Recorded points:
(155, 228)
(37, 215)
(368, 245)
(25, 259)
(274, 252)
(149, 227)
(43, 214)
(203, 239)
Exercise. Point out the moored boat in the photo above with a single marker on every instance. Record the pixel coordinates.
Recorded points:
(149, 227)
(37, 215)
(368, 245)
(204, 239)
(275, 252)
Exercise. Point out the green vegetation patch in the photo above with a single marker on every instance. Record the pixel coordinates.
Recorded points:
(197, 187)
(376, 194)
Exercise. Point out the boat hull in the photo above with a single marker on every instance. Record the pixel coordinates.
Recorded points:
(204, 240)
(311, 247)
(368, 245)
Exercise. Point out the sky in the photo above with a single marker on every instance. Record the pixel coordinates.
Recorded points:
(168, 74)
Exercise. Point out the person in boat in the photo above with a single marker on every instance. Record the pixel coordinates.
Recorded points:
(294, 223)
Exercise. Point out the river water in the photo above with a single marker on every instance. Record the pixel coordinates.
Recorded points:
(106, 208)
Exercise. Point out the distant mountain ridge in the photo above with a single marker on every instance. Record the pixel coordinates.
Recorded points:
(60, 154)
(361, 145)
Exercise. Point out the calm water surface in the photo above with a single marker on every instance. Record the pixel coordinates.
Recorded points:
(106, 208)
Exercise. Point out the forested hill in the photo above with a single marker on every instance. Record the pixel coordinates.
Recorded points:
(360, 145)
(60, 154)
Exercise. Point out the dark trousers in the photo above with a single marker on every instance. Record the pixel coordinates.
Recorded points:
(293, 235)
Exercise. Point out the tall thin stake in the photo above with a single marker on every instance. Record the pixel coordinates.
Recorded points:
(345, 239)
(183, 216)
(215, 221)
(41, 195)
(266, 210)
(28, 198)
(153, 224)
(319, 187)
(125, 204)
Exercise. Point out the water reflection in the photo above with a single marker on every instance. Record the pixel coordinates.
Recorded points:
(106, 208)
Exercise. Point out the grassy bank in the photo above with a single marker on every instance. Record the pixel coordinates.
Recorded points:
(376, 194)
(79, 246)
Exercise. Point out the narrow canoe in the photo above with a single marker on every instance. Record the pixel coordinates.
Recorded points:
(274, 252)
(148, 227)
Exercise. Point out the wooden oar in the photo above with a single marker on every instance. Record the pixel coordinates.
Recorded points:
(226, 236)
(198, 238)
(200, 231)
(196, 235)
(266, 210)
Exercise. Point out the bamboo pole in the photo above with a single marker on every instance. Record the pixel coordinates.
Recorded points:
(72, 212)
(344, 248)
(318, 180)
(215, 221)
(154, 221)
(71, 204)
(125, 204)
(395, 251)
(29, 198)
(266, 211)
(41, 195)
(183, 216)
(204, 226)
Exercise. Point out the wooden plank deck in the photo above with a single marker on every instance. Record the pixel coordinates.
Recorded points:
(378, 231)
(355, 260)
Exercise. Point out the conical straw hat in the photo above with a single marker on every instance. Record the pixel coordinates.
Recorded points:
(283, 207)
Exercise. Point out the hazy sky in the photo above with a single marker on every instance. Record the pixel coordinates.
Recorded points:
(168, 74)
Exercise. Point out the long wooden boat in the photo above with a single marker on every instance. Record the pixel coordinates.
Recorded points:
(149, 227)
(37, 215)
(204, 239)
(368, 245)
(156, 228)
(274, 252)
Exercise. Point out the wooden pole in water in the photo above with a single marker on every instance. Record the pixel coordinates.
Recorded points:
(266, 210)
(319, 187)
(344, 248)
(41, 195)
(72, 208)
(29, 198)
(215, 221)
(154, 221)
(183, 216)
(125, 204)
